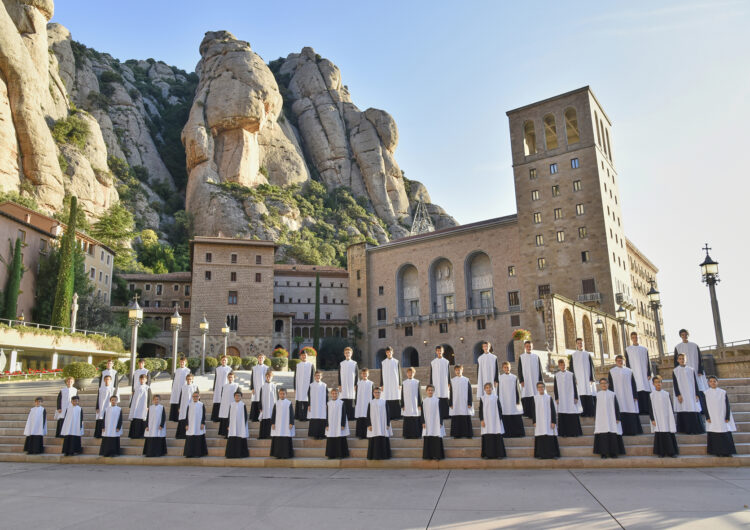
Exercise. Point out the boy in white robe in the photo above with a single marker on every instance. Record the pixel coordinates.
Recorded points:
(693, 359)
(348, 371)
(365, 392)
(544, 418)
(622, 383)
(303, 378)
(486, 369)
(220, 379)
(106, 391)
(687, 404)
(282, 427)
(390, 382)
(316, 410)
(583, 367)
(432, 427)
(607, 424)
(195, 430)
(35, 429)
(186, 394)
(440, 378)
(237, 432)
(662, 421)
(225, 400)
(139, 409)
(720, 423)
(112, 421)
(529, 373)
(490, 418)
(257, 378)
(411, 406)
(156, 430)
(566, 400)
(72, 429)
(337, 427)
(510, 401)
(266, 402)
(378, 426)
(178, 379)
(462, 405)
(63, 402)
(114, 377)
(636, 358)
(136, 381)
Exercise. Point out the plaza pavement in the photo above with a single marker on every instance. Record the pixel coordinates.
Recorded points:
(41, 496)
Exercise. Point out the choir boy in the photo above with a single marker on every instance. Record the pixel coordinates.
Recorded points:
(237, 432)
(185, 396)
(364, 396)
(72, 429)
(136, 382)
(348, 382)
(510, 399)
(432, 427)
(303, 378)
(156, 430)
(636, 358)
(195, 431)
(317, 408)
(178, 379)
(622, 383)
(337, 427)
(112, 421)
(257, 378)
(486, 368)
(411, 406)
(378, 427)
(544, 417)
(529, 374)
(720, 421)
(583, 367)
(267, 400)
(139, 403)
(106, 391)
(63, 402)
(607, 423)
(462, 405)
(35, 429)
(566, 400)
(490, 418)
(282, 427)
(390, 381)
(225, 400)
(687, 405)
(693, 359)
(440, 378)
(114, 378)
(220, 379)
(662, 421)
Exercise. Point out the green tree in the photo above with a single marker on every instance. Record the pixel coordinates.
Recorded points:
(316, 323)
(13, 285)
(49, 268)
(153, 254)
(66, 272)
(63, 215)
(115, 228)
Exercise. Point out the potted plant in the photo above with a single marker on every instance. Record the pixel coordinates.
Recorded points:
(83, 373)
(519, 337)
(211, 364)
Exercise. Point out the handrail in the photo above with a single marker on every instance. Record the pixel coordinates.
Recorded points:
(23, 323)
(726, 344)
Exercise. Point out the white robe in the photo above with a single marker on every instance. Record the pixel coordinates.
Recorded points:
(685, 377)
(179, 379)
(566, 386)
(622, 380)
(186, 398)
(487, 372)
(605, 419)
(258, 377)
(530, 364)
(280, 427)
(412, 401)
(440, 370)
(237, 419)
(73, 422)
(303, 376)
(348, 378)
(36, 422)
(334, 428)
(220, 379)
(113, 374)
(154, 428)
(378, 419)
(65, 395)
(431, 417)
(543, 415)
(717, 411)
(105, 392)
(391, 374)
(318, 399)
(364, 397)
(692, 359)
(112, 417)
(195, 418)
(508, 392)
(461, 404)
(661, 408)
(493, 424)
(137, 378)
(639, 363)
(582, 369)
(227, 398)
(139, 403)
(267, 400)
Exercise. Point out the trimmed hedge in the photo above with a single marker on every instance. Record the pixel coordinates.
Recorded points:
(193, 363)
(249, 362)
(80, 371)
(211, 363)
(293, 364)
(279, 363)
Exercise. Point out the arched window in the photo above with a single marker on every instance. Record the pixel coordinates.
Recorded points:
(569, 329)
(529, 138)
(407, 285)
(550, 131)
(616, 340)
(598, 133)
(588, 335)
(571, 126)
(478, 272)
(603, 144)
(410, 357)
(278, 326)
(609, 148)
(441, 286)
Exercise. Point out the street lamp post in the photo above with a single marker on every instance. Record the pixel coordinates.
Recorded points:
(710, 273)
(204, 330)
(599, 331)
(176, 323)
(135, 319)
(225, 332)
(622, 315)
(655, 301)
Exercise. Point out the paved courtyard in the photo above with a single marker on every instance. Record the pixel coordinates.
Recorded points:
(80, 496)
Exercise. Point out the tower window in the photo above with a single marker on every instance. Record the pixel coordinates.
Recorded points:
(539, 240)
(537, 217)
(535, 195)
(574, 163)
(582, 234)
(585, 256)
(558, 213)
(555, 190)
(529, 138)
(512, 270)
(552, 169)
(541, 263)
(550, 131)
(579, 209)
(560, 236)
(571, 126)
(532, 173)
(576, 185)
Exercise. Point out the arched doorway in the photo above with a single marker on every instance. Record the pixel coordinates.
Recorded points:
(478, 350)
(569, 330)
(379, 356)
(616, 347)
(588, 335)
(448, 353)
(151, 349)
(233, 351)
(410, 357)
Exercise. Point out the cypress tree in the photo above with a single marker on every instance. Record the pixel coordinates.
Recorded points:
(66, 273)
(316, 324)
(13, 287)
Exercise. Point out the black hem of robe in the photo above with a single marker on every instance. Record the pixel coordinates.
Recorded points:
(317, 429)
(223, 427)
(528, 406)
(461, 427)
(300, 410)
(720, 444)
(195, 446)
(98, 428)
(432, 448)
(631, 423)
(378, 448)
(34, 444)
(609, 444)
(665, 444)
(254, 414)
(513, 424)
(71, 445)
(58, 428)
(155, 446)
(236, 447)
(689, 423)
(137, 429)
(546, 447)
(644, 402)
(569, 425)
(110, 446)
(181, 429)
(349, 408)
(588, 403)
(444, 406)
(361, 429)
(174, 412)
(281, 447)
(493, 446)
(394, 409)
(215, 412)
(412, 428)
(264, 431)
(336, 447)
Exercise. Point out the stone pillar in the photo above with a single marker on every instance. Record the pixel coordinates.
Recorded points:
(13, 360)
(90, 360)
(54, 361)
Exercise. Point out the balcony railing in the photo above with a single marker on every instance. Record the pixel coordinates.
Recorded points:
(23, 323)
(539, 304)
(590, 297)
(410, 319)
(445, 315)
(514, 308)
(479, 311)
(625, 301)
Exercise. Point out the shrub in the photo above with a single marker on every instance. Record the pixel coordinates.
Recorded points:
(293, 364)
(521, 334)
(71, 130)
(309, 350)
(279, 363)
(249, 362)
(193, 363)
(211, 363)
(267, 361)
(80, 370)
(280, 352)
(118, 365)
(110, 77)
(234, 361)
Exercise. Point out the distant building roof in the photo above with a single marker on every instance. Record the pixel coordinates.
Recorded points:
(282, 269)
(165, 277)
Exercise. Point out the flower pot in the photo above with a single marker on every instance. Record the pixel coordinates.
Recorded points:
(83, 384)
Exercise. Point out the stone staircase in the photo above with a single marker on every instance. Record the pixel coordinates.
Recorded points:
(463, 453)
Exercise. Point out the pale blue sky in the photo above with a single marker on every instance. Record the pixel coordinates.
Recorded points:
(674, 78)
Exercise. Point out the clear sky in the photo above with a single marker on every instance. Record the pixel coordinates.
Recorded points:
(673, 76)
